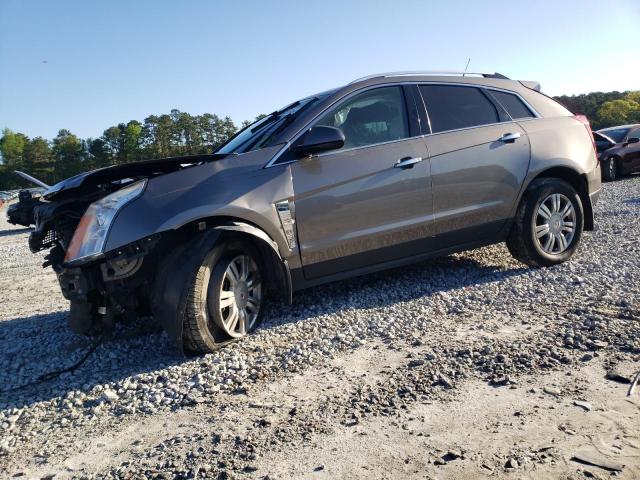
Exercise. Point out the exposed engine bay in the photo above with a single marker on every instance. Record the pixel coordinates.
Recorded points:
(101, 288)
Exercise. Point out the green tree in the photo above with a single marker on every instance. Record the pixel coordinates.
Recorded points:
(617, 112)
(38, 160)
(164, 136)
(131, 142)
(112, 143)
(12, 149)
(633, 96)
(68, 155)
(634, 116)
(98, 155)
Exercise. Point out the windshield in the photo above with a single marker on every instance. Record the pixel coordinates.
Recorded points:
(261, 133)
(616, 134)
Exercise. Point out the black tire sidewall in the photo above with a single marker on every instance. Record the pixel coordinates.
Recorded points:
(535, 198)
(610, 169)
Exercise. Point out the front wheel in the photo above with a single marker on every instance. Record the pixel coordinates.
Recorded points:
(226, 297)
(610, 171)
(548, 225)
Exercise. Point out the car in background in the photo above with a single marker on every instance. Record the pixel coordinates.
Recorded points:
(22, 211)
(618, 150)
(6, 196)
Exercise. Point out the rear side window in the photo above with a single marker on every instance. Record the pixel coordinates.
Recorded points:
(516, 107)
(372, 117)
(451, 107)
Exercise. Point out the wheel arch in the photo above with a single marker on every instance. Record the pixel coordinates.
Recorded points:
(574, 178)
(185, 250)
(277, 268)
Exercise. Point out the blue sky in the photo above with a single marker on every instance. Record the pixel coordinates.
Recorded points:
(113, 61)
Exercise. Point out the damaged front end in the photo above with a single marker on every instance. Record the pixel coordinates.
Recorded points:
(73, 220)
(100, 286)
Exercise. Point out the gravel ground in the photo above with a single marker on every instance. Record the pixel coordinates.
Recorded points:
(470, 365)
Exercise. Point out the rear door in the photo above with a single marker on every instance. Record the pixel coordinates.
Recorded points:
(479, 158)
(354, 206)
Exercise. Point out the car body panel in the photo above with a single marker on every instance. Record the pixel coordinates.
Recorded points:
(144, 168)
(476, 177)
(208, 190)
(353, 201)
(559, 141)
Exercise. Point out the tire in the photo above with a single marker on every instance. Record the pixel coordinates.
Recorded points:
(212, 298)
(534, 248)
(610, 169)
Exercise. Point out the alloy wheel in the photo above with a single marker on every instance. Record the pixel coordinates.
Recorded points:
(239, 296)
(555, 224)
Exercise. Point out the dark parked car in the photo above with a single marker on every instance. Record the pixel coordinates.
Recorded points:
(382, 172)
(618, 150)
(22, 212)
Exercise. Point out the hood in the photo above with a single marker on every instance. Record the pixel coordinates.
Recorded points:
(136, 170)
(615, 148)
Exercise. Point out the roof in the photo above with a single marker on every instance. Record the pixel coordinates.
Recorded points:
(431, 73)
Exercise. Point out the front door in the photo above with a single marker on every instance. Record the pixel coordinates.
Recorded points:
(356, 207)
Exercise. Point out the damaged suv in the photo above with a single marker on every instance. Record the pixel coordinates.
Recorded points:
(387, 170)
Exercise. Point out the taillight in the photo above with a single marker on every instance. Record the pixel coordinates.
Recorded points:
(585, 121)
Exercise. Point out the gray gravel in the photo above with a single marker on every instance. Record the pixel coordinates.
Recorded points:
(475, 315)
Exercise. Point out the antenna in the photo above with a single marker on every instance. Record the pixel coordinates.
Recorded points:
(465, 68)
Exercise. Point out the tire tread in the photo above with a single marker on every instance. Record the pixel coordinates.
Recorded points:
(193, 338)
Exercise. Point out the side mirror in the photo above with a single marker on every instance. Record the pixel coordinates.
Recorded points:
(319, 139)
(632, 140)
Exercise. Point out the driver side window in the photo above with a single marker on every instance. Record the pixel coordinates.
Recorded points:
(372, 117)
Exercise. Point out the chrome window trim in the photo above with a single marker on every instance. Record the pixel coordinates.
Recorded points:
(331, 152)
(531, 109)
(274, 159)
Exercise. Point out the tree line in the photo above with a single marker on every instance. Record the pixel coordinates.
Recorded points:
(159, 136)
(179, 133)
(605, 109)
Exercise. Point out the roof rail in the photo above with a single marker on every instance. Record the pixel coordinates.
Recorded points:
(430, 73)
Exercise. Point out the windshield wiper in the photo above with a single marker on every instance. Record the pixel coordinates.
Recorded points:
(267, 120)
(274, 116)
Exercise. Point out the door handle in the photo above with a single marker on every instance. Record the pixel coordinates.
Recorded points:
(509, 137)
(407, 162)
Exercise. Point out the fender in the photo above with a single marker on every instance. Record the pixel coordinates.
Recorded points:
(170, 292)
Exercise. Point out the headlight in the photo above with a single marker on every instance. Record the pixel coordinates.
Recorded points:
(91, 233)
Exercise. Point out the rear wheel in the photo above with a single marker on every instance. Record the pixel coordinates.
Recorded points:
(548, 225)
(610, 170)
(226, 298)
